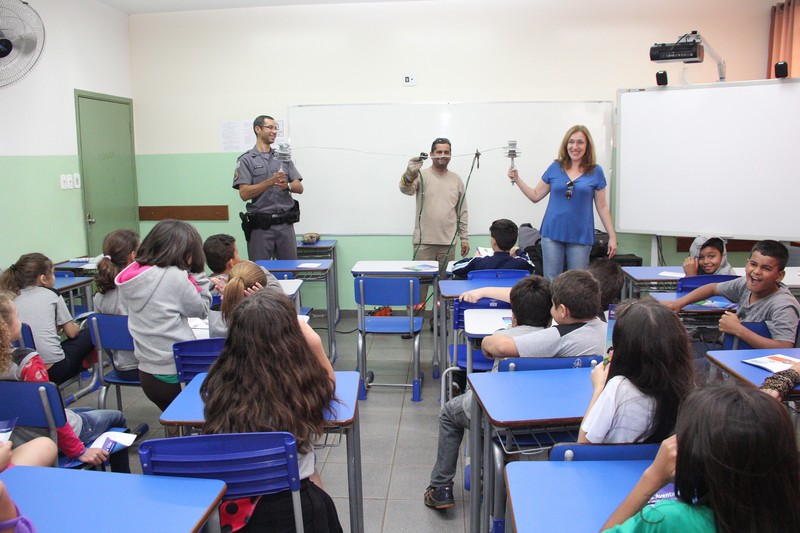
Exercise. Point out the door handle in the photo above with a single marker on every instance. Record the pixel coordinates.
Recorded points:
(89, 219)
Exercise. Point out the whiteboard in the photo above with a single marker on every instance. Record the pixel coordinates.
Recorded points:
(352, 156)
(718, 159)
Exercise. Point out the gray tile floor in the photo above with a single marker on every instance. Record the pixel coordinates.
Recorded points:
(398, 439)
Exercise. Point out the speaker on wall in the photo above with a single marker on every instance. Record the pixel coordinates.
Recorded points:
(781, 69)
(661, 78)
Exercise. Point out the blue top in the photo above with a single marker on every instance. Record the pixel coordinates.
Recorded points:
(571, 220)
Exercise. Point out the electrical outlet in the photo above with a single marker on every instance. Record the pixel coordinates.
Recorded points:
(76, 180)
(70, 182)
(63, 181)
(410, 80)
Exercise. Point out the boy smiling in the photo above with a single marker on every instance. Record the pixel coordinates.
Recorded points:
(761, 297)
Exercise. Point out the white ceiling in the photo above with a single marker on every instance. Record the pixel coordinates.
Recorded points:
(139, 7)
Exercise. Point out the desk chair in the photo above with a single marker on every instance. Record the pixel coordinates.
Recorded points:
(38, 405)
(514, 442)
(250, 464)
(393, 292)
(497, 273)
(458, 351)
(572, 451)
(196, 356)
(732, 342)
(26, 341)
(64, 274)
(690, 283)
(110, 332)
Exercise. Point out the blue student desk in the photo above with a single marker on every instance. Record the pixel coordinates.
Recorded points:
(697, 316)
(480, 323)
(650, 279)
(77, 267)
(450, 289)
(321, 271)
(187, 410)
(69, 286)
(529, 399)
(323, 249)
(62, 499)
(566, 497)
(730, 361)
(404, 269)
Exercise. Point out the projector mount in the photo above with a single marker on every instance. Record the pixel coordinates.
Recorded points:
(689, 48)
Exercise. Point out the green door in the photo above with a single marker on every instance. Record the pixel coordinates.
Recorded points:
(108, 173)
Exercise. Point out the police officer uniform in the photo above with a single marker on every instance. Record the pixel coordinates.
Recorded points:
(269, 221)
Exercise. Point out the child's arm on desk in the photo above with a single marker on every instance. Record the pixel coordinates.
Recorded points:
(731, 325)
(658, 474)
(315, 343)
(499, 346)
(599, 378)
(497, 293)
(71, 329)
(700, 293)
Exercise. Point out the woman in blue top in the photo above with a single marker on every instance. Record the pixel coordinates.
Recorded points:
(575, 179)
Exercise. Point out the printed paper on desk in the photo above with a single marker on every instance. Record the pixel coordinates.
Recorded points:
(198, 323)
(121, 440)
(421, 268)
(667, 274)
(484, 252)
(773, 363)
(309, 265)
(6, 427)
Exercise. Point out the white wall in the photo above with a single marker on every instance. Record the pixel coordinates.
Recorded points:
(192, 71)
(86, 47)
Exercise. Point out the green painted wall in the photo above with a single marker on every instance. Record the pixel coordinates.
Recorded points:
(36, 215)
(39, 216)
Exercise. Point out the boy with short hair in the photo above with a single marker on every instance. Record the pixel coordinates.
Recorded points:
(611, 279)
(578, 330)
(572, 337)
(504, 235)
(222, 255)
(761, 297)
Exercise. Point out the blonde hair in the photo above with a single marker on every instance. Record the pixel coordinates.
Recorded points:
(6, 308)
(242, 276)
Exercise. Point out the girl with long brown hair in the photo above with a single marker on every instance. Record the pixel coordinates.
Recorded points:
(273, 375)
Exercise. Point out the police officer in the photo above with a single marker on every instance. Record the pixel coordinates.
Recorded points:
(268, 183)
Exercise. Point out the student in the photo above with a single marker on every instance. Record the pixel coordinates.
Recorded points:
(83, 425)
(734, 464)
(245, 276)
(609, 275)
(161, 289)
(578, 330)
(119, 250)
(32, 279)
(707, 255)
(637, 394)
(780, 383)
(530, 312)
(222, 255)
(504, 236)
(273, 375)
(761, 297)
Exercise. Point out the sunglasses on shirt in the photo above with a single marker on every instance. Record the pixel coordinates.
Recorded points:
(570, 188)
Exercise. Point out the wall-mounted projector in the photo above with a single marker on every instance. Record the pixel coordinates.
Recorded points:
(689, 48)
(691, 52)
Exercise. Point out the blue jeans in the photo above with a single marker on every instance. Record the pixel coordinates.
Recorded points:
(95, 423)
(453, 420)
(554, 253)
